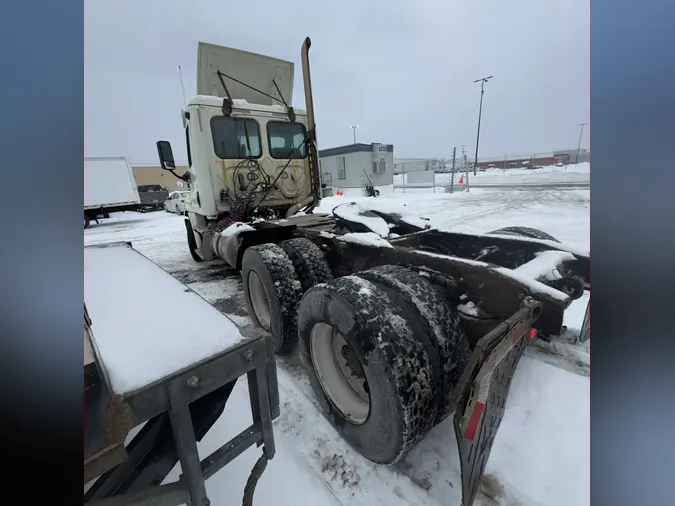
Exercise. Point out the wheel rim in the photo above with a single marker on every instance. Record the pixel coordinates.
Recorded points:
(259, 300)
(340, 373)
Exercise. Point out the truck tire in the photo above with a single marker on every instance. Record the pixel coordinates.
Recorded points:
(309, 262)
(442, 327)
(532, 233)
(272, 291)
(374, 380)
(192, 242)
(86, 222)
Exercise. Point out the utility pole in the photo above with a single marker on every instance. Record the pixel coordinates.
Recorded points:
(354, 127)
(452, 179)
(582, 125)
(482, 82)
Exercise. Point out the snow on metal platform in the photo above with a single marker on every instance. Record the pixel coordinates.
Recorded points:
(146, 324)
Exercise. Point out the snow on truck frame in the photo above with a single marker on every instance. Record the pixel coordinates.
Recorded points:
(399, 325)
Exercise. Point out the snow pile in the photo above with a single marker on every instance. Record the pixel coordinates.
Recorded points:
(415, 221)
(532, 284)
(353, 212)
(545, 418)
(468, 309)
(129, 299)
(236, 228)
(545, 265)
(563, 213)
(365, 238)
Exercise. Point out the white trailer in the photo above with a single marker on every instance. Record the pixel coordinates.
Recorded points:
(109, 186)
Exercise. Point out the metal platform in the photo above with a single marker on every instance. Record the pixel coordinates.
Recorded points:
(178, 410)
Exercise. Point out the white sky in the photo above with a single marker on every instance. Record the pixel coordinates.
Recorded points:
(402, 70)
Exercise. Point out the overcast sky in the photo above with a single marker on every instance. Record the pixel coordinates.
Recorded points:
(403, 70)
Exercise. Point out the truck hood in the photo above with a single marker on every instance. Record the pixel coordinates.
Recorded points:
(255, 70)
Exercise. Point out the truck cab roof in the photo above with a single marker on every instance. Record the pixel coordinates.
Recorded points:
(242, 105)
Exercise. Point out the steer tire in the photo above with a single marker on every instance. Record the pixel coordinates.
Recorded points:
(442, 329)
(192, 242)
(282, 291)
(532, 233)
(398, 371)
(309, 262)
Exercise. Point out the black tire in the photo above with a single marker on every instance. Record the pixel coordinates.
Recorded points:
(309, 262)
(532, 233)
(87, 222)
(442, 327)
(192, 242)
(397, 369)
(282, 291)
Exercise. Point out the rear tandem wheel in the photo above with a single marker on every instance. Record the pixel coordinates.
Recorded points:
(377, 356)
(272, 292)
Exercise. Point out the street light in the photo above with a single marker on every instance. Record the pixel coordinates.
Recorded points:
(482, 82)
(582, 125)
(354, 127)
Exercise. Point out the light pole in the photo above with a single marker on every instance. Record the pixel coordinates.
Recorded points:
(581, 134)
(482, 82)
(354, 127)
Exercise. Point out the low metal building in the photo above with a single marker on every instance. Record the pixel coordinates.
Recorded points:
(347, 166)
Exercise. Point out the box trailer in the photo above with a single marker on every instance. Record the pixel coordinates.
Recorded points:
(109, 186)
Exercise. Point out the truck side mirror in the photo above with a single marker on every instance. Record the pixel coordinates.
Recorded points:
(166, 155)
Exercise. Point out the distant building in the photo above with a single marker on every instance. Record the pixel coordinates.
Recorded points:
(156, 175)
(571, 155)
(564, 157)
(347, 166)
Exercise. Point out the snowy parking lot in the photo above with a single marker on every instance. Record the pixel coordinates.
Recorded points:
(541, 455)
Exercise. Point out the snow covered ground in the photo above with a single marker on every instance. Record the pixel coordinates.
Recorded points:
(541, 454)
(579, 173)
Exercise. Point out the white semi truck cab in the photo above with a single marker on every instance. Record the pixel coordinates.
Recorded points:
(251, 155)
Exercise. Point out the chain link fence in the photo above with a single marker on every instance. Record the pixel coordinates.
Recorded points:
(518, 161)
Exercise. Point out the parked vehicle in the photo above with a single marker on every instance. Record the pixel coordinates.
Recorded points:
(176, 202)
(152, 196)
(400, 325)
(109, 186)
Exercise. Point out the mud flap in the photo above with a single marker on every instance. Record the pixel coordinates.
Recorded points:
(482, 392)
(585, 333)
